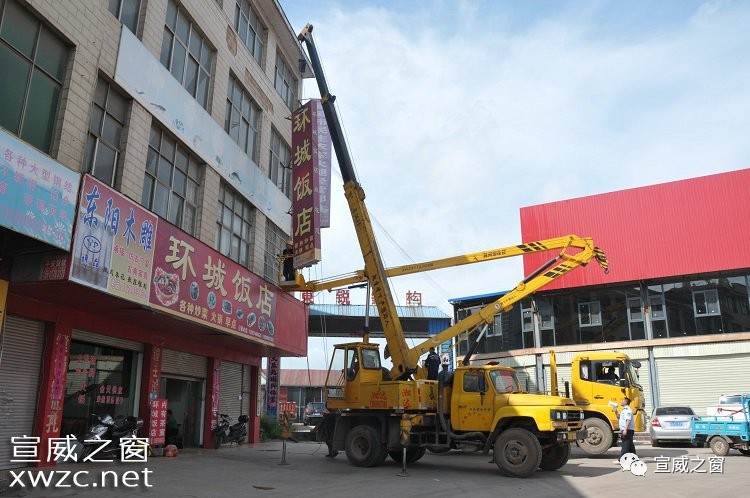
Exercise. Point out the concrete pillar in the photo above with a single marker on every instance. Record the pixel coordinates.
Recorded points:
(211, 414)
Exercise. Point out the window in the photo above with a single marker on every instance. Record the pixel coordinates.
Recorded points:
(106, 123)
(635, 311)
(234, 226)
(706, 303)
(186, 54)
(249, 28)
(284, 82)
(34, 61)
(242, 120)
(170, 185)
(589, 314)
(275, 243)
(279, 169)
(126, 11)
(474, 382)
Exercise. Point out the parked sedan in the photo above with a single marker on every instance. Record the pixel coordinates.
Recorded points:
(314, 412)
(671, 423)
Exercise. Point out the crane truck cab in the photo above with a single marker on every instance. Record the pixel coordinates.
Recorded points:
(598, 379)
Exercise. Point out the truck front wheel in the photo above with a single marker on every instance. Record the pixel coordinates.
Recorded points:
(599, 438)
(517, 452)
(364, 448)
(555, 456)
(720, 446)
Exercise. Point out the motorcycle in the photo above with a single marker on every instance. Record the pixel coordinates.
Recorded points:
(108, 429)
(226, 433)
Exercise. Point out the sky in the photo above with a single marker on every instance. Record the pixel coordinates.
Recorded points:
(459, 113)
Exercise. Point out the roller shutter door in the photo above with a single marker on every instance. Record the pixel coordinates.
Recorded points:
(233, 389)
(698, 381)
(181, 363)
(105, 340)
(23, 343)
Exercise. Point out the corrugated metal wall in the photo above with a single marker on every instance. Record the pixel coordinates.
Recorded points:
(696, 375)
(23, 341)
(657, 240)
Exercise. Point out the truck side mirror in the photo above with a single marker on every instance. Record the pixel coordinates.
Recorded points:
(623, 382)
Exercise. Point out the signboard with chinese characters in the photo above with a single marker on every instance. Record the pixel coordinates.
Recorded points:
(195, 282)
(157, 427)
(114, 243)
(37, 194)
(305, 186)
(272, 386)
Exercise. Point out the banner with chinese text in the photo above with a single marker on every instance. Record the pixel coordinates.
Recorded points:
(195, 282)
(37, 194)
(306, 186)
(114, 243)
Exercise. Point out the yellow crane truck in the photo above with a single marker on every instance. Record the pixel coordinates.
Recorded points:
(376, 412)
(599, 378)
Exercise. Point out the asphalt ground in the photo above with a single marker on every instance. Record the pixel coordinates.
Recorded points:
(273, 469)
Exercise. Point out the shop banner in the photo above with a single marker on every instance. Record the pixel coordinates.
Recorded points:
(194, 282)
(37, 194)
(306, 186)
(272, 386)
(158, 422)
(322, 138)
(113, 245)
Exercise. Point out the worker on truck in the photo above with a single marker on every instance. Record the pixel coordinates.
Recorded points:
(432, 364)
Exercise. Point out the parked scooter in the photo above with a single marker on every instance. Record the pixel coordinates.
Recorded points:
(226, 433)
(106, 429)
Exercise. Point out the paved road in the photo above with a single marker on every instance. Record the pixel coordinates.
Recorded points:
(256, 470)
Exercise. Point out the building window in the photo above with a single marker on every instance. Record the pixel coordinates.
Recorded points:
(706, 303)
(279, 170)
(275, 243)
(106, 123)
(33, 62)
(284, 82)
(589, 314)
(249, 28)
(186, 54)
(126, 11)
(234, 226)
(242, 120)
(170, 185)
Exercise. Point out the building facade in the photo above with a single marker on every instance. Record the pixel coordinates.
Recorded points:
(144, 199)
(676, 297)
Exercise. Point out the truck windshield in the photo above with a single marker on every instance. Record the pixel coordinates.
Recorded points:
(504, 381)
(632, 374)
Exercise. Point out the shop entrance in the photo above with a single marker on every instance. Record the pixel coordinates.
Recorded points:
(185, 397)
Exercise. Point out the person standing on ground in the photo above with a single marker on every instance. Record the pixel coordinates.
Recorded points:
(432, 364)
(627, 427)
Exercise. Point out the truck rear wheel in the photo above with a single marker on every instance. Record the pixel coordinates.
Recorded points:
(412, 455)
(555, 456)
(517, 452)
(720, 446)
(599, 438)
(364, 448)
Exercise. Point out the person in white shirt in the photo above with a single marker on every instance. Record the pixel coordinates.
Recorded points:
(627, 426)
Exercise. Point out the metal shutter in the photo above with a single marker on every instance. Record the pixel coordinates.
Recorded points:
(181, 363)
(698, 381)
(105, 340)
(234, 389)
(23, 343)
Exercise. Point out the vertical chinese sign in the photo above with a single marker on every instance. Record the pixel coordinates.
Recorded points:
(158, 422)
(272, 386)
(306, 186)
(114, 243)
